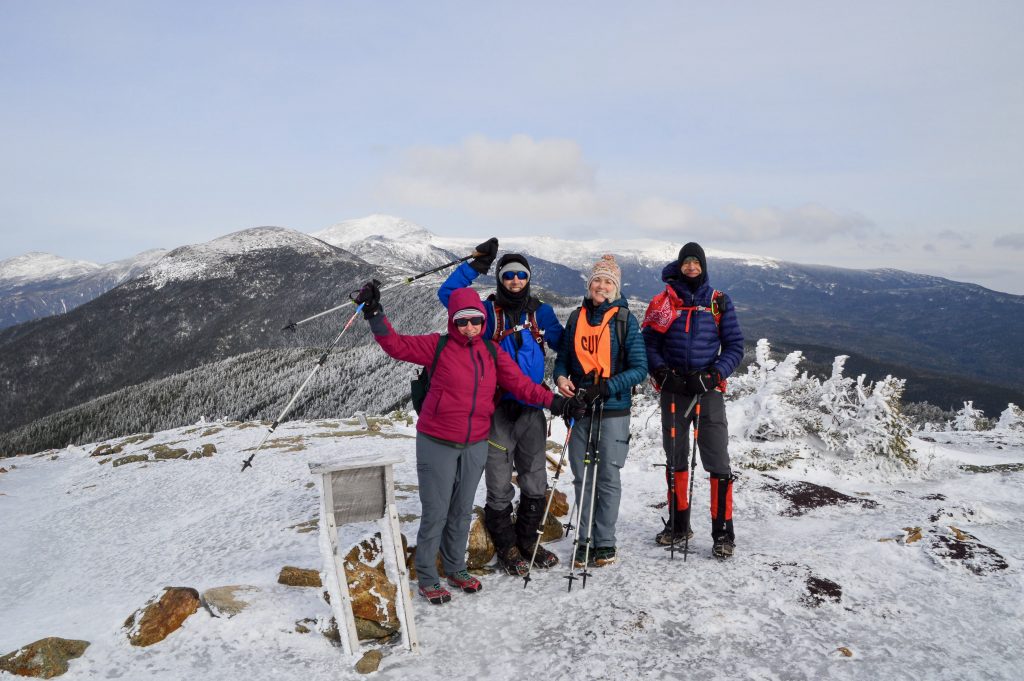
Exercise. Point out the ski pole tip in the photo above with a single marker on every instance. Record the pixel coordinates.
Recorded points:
(290, 326)
(247, 464)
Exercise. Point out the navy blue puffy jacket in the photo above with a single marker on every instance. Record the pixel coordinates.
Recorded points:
(699, 348)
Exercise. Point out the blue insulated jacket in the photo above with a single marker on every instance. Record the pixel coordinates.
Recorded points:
(521, 346)
(623, 377)
(705, 345)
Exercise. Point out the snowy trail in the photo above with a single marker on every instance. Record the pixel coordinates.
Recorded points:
(85, 544)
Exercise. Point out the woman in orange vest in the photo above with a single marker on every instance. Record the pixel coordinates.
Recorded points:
(602, 357)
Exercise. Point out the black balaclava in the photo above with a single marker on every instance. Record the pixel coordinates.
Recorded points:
(694, 249)
(513, 303)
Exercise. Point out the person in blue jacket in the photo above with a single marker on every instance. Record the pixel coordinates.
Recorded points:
(602, 356)
(522, 326)
(694, 343)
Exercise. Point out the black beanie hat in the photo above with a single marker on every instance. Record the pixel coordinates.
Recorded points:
(507, 299)
(694, 249)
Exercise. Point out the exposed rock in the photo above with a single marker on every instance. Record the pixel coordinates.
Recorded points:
(369, 662)
(293, 576)
(560, 504)
(227, 601)
(154, 621)
(43, 659)
(373, 594)
(553, 529)
(330, 631)
(2, 469)
(302, 626)
(820, 590)
(844, 651)
(131, 458)
(804, 496)
(481, 548)
(161, 451)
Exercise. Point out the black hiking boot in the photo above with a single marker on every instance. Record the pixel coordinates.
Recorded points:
(723, 547)
(512, 562)
(603, 555)
(544, 559)
(667, 537)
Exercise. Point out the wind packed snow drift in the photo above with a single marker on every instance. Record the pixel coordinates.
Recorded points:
(864, 551)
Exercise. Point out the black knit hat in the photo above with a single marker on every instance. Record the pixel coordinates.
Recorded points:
(694, 249)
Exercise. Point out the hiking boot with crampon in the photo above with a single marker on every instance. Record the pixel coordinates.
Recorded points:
(465, 581)
(512, 562)
(581, 558)
(544, 558)
(603, 555)
(723, 547)
(667, 537)
(436, 594)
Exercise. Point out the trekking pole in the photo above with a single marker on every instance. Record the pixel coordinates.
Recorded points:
(692, 469)
(323, 359)
(579, 512)
(593, 493)
(670, 469)
(292, 326)
(547, 506)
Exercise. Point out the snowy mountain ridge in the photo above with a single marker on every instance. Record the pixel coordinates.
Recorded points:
(38, 266)
(214, 259)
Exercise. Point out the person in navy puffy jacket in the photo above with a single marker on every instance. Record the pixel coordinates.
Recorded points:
(522, 326)
(694, 343)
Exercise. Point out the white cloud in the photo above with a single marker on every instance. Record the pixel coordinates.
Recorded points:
(1014, 241)
(518, 178)
(659, 216)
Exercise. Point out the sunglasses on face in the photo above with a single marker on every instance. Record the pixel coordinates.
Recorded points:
(465, 321)
(509, 276)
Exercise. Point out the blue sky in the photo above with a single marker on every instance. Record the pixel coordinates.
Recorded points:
(853, 134)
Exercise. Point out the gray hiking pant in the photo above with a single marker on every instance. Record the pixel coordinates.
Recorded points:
(613, 446)
(517, 445)
(712, 435)
(448, 478)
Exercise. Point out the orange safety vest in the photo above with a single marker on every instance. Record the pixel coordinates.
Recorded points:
(593, 344)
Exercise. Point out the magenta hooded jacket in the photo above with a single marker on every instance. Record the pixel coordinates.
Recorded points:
(460, 403)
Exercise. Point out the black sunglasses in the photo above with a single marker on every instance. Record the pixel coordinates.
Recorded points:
(475, 321)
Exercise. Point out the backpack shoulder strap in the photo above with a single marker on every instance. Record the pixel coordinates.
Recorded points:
(622, 326)
(716, 307)
(491, 349)
(442, 341)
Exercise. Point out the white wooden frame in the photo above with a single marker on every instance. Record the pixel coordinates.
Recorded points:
(378, 503)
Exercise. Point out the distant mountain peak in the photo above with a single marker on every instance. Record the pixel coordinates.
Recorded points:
(350, 232)
(36, 266)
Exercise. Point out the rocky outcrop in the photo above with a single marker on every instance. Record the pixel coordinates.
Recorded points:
(369, 662)
(373, 594)
(293, 576)
(481, 548)
(43, 659)
(161, 616)
(227, 601)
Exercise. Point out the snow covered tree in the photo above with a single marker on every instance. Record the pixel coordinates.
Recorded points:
(970, 418)
(770, 416)
(838, 405)
(1011, 419)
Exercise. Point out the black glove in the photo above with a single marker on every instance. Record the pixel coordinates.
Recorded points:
(569, 408)
(591, 394)
(369, 297)
(700, 382)
(669, 381)
(487, 250)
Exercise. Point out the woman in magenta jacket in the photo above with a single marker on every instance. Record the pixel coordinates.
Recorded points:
(451, 438)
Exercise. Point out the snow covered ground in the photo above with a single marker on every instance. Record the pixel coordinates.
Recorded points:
(83, 544)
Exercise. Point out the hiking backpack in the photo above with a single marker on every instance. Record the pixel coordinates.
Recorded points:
(420, 386)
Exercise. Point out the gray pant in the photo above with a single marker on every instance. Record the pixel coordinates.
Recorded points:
(712, 435)
(448, 478)
(518, 445)
(613, 446)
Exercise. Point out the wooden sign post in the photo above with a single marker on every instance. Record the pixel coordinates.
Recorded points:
(357, 490)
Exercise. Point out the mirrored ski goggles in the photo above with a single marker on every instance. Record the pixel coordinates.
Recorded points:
(475, 321)
(521, 274)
